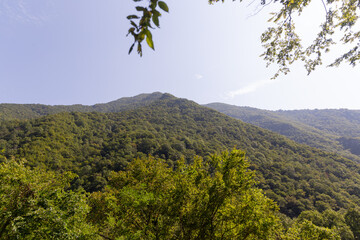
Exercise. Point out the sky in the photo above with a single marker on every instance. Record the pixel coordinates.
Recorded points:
(76, 52)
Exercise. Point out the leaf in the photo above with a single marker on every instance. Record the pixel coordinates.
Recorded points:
(131, 30)
(141, 35)
(138, 8)
(149, 40)
(155, 19)
(139, 49)
(132, 17)
(134, 24)
(131, 48)
(153, 5)
(157, 13)
(163, 6)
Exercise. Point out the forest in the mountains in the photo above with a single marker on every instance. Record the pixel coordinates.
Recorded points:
(29, 111)
(333, 130)
(159, 167)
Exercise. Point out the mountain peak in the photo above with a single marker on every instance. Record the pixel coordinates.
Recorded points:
(127, 103)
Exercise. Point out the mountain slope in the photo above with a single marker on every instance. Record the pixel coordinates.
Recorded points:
(316, 128)
(286, 123)
(298, 177)
(30, 111)
(340, 122)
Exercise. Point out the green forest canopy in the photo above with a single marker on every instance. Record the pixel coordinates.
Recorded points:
(92, 145)
(213, 199)
(317, 193)
(332, 130)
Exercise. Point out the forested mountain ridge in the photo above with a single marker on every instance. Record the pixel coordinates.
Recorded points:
(296, 176)
(330, 130)
(341, 122)
(28, 111)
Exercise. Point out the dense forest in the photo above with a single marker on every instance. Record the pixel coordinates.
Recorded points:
(127, 191)
(329, 129)
(29, 111)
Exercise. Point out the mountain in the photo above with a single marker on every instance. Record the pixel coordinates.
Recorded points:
(30, 111)
(128, 103)
(296, 176)
(340, 122)
(329, 130)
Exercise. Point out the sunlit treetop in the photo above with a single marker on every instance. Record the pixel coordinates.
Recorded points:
(282, 44)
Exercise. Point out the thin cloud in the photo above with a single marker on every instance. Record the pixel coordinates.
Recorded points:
(249, 88)
(20, 11)
(27, 16)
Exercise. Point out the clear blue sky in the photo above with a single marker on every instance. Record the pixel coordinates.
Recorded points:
(70, 52)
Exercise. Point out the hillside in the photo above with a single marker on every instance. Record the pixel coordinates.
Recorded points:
(296, 176)
(30, 111)
(340, 122)
(332, 133)
(329, 130)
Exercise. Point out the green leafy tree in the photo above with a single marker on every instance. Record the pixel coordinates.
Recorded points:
(307, 230)
(329, 219)
(35, 205)
(281, 41)
(202, 200)
(352, 219)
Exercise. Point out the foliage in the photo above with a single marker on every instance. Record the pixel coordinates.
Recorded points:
(341, 122)
(141, 30)
(35, 204)
(92, 145)
(30, 111)
(202, 200)
(213, 199)
(307, 230)
(329, 129)
(329, 219)
(352, 219)
(283, 45)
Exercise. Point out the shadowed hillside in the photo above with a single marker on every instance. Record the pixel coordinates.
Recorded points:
(312, 127)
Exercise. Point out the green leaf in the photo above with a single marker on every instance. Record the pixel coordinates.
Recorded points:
(131, 30)
(134, 24)
(155, 19)
(149, 40)
(131, 48)
(153, 5)
(141, 36)
(132, 17)
(139, 49)
(138, 8)
(163, 6)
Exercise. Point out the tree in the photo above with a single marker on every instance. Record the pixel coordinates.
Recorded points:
(282, 44)
(328, 219)
(35, 205)
(201, 200)
(307, 230)
(352, 218)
